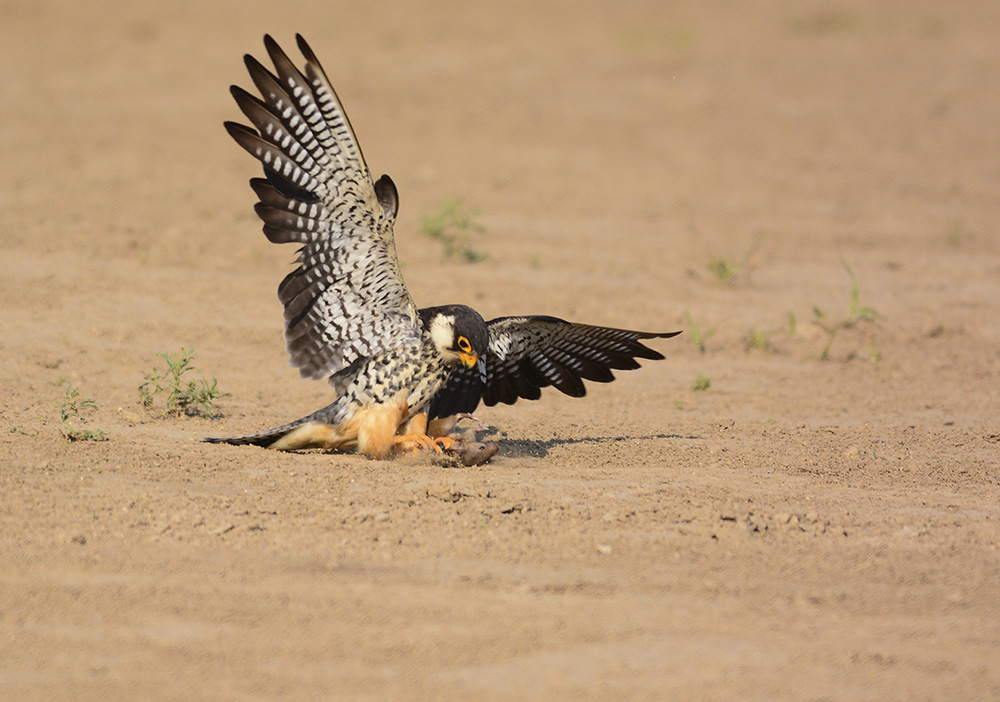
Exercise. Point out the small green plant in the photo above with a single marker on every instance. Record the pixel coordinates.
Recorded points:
(874, 354)
(955, 234)
(722, 270)
(819, 318)
(192, 397)
(759, 340)
(855, 313)
(72, 404)
(698, 338)
(702, 382)
(451, 226)
(793, 325)
(73, 407)
(726, 271)
(84, 434)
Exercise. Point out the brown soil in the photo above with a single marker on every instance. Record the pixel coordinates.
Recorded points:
(801, 529)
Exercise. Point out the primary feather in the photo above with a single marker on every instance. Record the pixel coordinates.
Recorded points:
(347, 299)
(526, 354)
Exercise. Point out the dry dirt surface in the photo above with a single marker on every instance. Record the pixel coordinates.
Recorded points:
(809, 190)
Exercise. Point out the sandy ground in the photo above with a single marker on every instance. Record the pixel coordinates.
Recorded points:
(801, 529)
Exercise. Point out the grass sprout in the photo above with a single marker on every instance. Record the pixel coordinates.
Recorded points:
(725, 271)
(856, 312)
(74, 407)
(182, 395)
(759, 340)
(701, 382)
(698, 338)
(453, 226)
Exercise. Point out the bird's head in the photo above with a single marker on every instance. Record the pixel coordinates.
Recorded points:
(458, 332)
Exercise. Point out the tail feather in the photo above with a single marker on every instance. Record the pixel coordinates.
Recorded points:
(261, 438)
(318, 429)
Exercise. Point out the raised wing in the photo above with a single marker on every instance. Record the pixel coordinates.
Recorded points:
(527, 354)
(347, 299)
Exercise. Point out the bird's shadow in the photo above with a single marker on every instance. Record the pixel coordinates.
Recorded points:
(531, 448)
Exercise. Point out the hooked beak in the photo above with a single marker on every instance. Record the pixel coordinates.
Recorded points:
(469, 360)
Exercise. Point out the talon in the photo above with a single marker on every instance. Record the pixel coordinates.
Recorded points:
(446, 443)
(418, 441)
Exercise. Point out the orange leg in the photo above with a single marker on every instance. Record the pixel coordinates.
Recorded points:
(412, 442)
(376, 428)
(414, 424)
(414, 434)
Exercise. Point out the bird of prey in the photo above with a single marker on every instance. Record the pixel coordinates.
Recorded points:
(349, 318)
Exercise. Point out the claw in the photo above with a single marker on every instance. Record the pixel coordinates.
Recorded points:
(446, 443)
(417, 441)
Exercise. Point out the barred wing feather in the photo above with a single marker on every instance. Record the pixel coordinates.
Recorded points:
(347, 298)
(527, 354)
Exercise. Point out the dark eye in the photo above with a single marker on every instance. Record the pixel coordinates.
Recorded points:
(464, 344)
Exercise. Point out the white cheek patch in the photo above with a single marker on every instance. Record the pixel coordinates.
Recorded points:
(443, 332)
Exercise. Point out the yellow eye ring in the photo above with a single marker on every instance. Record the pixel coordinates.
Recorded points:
(464, 344)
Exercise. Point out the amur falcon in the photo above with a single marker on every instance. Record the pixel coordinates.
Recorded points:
(349, 318)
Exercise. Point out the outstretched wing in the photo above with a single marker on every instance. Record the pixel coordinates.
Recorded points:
(347, 299)
(527, 354)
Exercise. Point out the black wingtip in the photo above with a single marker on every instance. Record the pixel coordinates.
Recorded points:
(655, 335)
(233, 128)
(274, 50)
(238, 131)
(263, 189)
(306, 50)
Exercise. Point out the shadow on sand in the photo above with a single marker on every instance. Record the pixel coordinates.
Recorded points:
(522, 448)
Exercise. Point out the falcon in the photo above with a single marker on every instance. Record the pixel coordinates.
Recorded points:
(349, 318)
